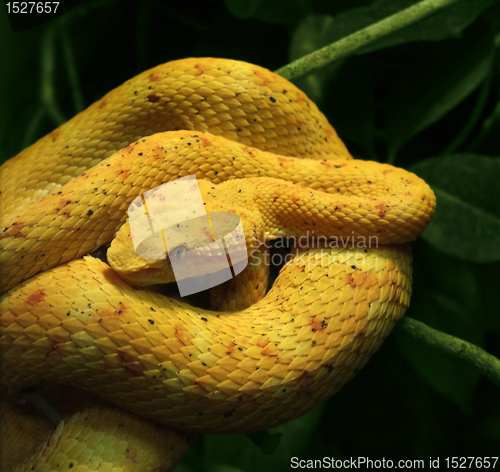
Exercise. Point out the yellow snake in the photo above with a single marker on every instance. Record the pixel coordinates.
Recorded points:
(260, 149)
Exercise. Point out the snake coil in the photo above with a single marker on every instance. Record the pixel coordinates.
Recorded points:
(259, 148)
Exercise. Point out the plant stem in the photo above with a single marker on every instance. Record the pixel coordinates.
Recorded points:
(354, 42)
(71, 68)
(476, 113)
(47, 93)
(488, 364)
(485, 128)
(32, 128)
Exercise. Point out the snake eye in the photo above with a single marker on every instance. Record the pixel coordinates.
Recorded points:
(177, 253)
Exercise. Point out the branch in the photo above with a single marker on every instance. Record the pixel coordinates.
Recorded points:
(350, 44)
(489, 365)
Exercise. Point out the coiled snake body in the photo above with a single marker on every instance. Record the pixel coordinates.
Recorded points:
(70, 320)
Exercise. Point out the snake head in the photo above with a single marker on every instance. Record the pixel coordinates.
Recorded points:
(201, 245)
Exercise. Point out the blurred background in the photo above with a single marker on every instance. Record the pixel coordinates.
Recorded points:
(426, 98)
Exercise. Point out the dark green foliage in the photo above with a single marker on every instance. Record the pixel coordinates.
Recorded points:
(426, 98)
(467, 220)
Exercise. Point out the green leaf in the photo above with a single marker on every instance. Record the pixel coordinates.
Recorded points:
(447, 375)
(245, 455)
(450, 277)
(314, 33)
(447, 23)
(487, 276)
(282, 12)
(350, 105)
(438, 79)
(446, 296)
(467, 219)
(487, 136)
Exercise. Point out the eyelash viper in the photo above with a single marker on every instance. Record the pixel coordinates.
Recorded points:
(72, 320)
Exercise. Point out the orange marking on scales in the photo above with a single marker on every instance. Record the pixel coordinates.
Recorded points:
(59, 339)
(124, 175)
(248, 150)
(206, 382)
(356, 279)
(129, 148)
(36, 297)
(122, 309)
(153, 98)
(263, 77)
(269, 350)
(230, 348)
(183, 336)
(198, 69)
(154, 77)
(381, 210)
(14, 230)
(54, 134)
(205, 141)
(262, 343)
(317, 324)
(301, 96)
(106, 313)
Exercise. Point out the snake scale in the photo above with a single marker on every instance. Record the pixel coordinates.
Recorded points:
(260, 149)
